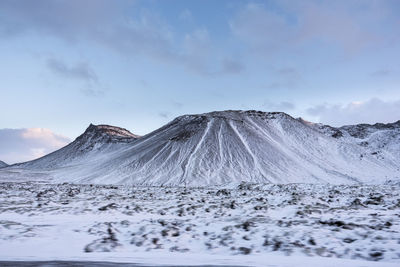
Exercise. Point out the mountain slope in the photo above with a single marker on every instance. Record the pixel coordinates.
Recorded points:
(97, 141)
(232, 146)
(3, 164)
(381, 140)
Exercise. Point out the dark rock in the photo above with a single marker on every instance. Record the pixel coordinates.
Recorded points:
(244, 250)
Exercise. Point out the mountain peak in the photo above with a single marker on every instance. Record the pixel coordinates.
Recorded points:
(236, 115)
(111, 131)
(96, 139)
(104, 134)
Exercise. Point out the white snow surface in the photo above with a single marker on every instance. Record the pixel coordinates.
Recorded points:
(217, 148)
(247, 225)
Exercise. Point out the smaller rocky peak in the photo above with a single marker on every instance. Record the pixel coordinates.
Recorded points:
(115, 131)
(103, 133)
(364, 130)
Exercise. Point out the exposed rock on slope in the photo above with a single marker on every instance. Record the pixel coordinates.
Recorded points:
(381, 140)
(3, 164)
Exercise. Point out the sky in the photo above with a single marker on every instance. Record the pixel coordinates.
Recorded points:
(138, 64)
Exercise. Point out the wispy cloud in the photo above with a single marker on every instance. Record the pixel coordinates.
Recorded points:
(283, 25)
(116, 25)
(68, 19)
(232, 66)
(174, 106)
(18, 145)
(278, 106)
(177, 105)
(261, 28)
(285, 78)
(186, 15)
(80, 70)
(381, 73)
(164, 114)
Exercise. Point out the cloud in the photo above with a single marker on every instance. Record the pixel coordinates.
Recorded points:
(198, 54)
(232, 66)
(80, 71)
(371, 111)
(290, 25)
(19, 145)
(381, 73)
(287, 71)
(68, 19)
(122, 26)
(164, 114)
(196, 50)
(177, 105)
(186, 15)
(280, 106)
(92, 92)
(261, 28)
(285, 78)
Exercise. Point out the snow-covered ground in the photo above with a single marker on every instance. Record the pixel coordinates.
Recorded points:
(245, 224)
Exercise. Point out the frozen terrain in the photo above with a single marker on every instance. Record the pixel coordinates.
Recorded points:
(234, 188)
(217, 148)
(246, 224)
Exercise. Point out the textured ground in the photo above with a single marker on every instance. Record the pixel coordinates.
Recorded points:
(350, 222)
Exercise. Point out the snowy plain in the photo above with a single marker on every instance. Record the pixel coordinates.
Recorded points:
(241, 225)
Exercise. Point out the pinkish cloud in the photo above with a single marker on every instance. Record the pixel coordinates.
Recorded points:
(19, 145)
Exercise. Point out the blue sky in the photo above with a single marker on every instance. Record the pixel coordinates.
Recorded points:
(138, 64)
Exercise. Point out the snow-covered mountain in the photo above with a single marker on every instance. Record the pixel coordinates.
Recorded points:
(217, 148)
(3, 164)
(97, 141)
